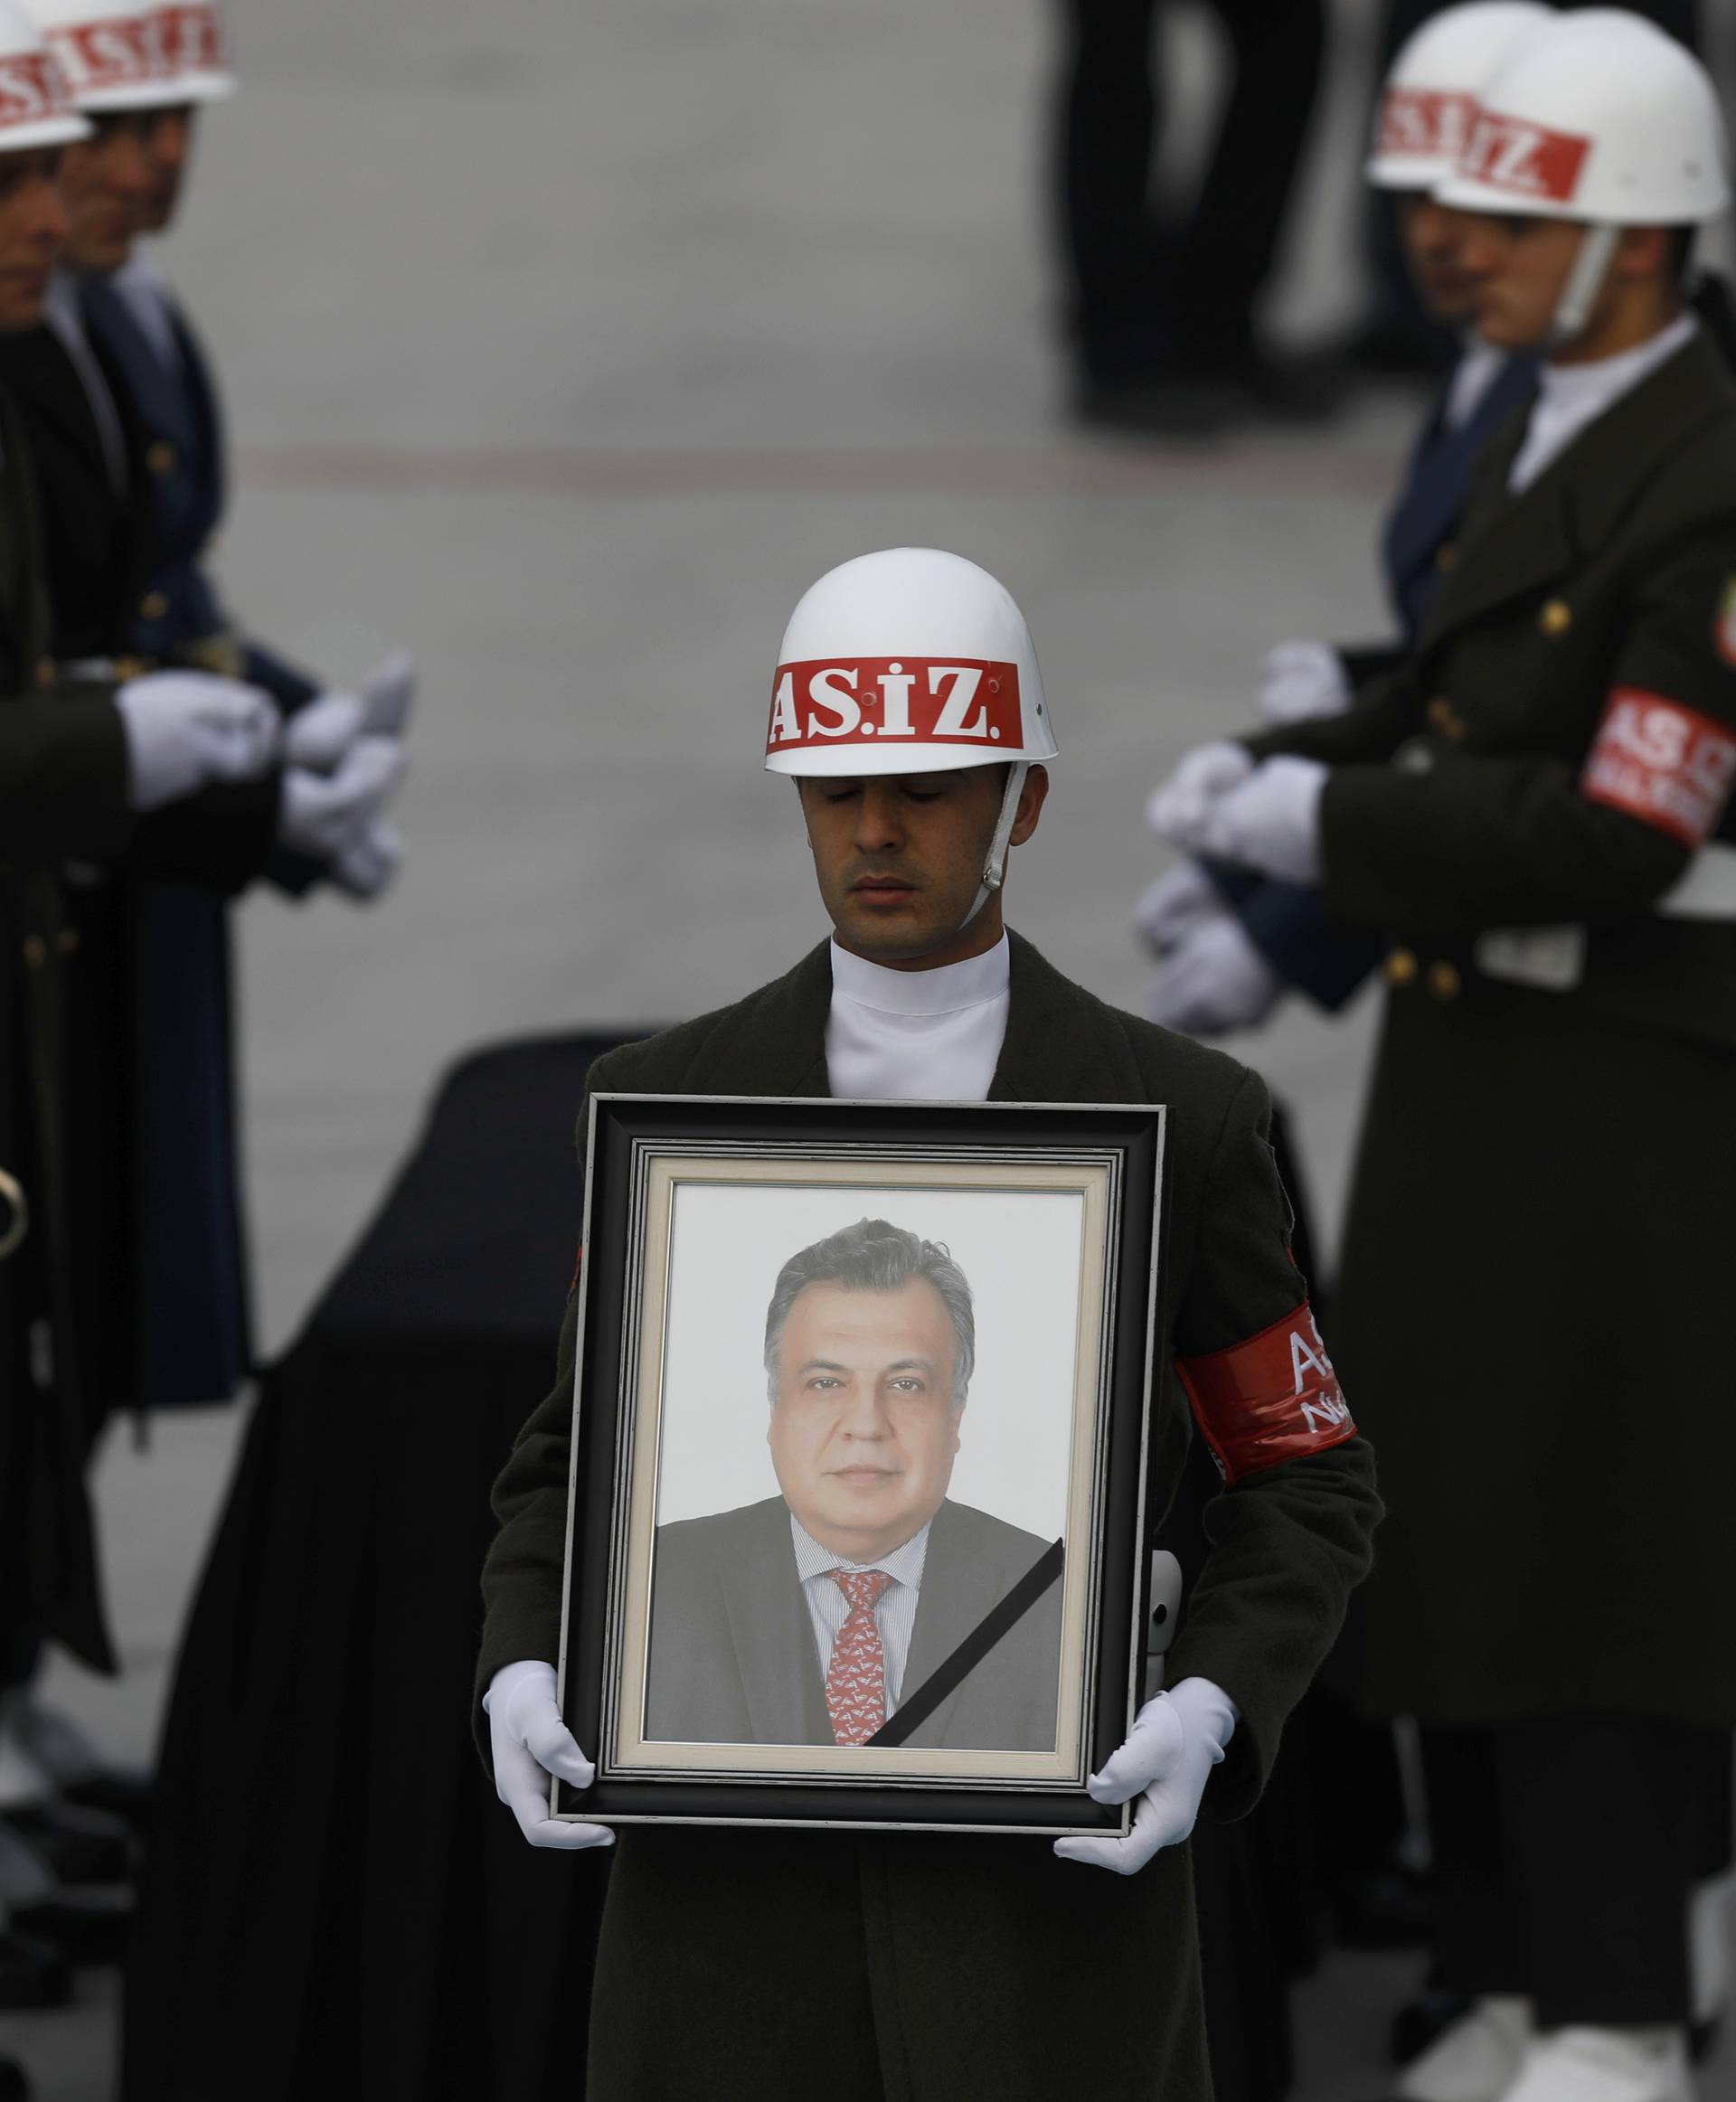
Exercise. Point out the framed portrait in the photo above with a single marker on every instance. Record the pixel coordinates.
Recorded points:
(857, 1518)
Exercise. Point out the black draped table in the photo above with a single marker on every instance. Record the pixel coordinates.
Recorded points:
(334, 1902)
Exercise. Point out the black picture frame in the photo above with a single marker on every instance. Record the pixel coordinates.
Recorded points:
(646, 1154)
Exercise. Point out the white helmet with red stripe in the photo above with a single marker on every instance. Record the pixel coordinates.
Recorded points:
(911, 661)
(37, 106)
(108, 51)
(1430, 94)
(1603, 118)
(192, 39)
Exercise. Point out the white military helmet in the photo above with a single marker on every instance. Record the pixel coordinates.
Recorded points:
(193, 40)
(911, 661)
(1604, 119)
(1430, 93)
(108, 51)
(1601, 118)
(35, 104)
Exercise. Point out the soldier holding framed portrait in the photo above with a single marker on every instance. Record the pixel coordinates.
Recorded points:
(909, 708)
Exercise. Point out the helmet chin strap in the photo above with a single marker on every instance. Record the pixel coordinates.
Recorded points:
(994, 862)
(1584, 282)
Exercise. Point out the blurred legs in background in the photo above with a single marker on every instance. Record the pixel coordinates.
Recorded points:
(1161, 305)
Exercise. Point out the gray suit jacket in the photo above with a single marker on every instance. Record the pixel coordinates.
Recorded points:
(732, 1654)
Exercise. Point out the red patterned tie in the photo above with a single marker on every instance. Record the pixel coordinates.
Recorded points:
(855, 1686)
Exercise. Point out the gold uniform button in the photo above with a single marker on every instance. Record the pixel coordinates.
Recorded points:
(152, 605)
(46, 670)
(1445, 717)
(1401, 966)
(1446, 557)
(66, 941)
(35, 951)
(160, 457)
(1444, 981)
(1556, 618)
(128, 669)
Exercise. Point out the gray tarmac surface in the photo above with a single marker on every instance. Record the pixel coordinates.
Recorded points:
(567, 347)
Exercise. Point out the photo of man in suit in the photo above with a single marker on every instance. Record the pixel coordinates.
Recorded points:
(806, 1618)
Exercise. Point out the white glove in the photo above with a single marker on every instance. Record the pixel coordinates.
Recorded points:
(1174, 905)
(1213, 980)
(186, 729)
(387, 693)
(1175, 1741)
(325, 814)
(362, 870)
(529, 1742)
(1302, 680)
(1272, 822)
(1178, 808)
(317, 737)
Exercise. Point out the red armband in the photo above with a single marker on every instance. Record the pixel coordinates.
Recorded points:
(1269, 1399)
(1666, 765)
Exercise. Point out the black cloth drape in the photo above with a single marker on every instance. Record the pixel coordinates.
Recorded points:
(333, 1901)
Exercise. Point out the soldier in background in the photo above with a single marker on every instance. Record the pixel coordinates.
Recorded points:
(1541, 1228)
(150, 348)
(148, 1027)
(90, 771)
(1228, 943)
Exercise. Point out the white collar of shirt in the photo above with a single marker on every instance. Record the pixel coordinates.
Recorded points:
(1473, 376)
(904, 1036)
(62, 312)
(1570, 396)
(943, 991)
(903, 1565)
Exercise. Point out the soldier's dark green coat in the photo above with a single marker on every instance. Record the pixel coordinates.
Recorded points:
(64, 1301)
(1534, 1311)
(754, 1963)
(62, 793)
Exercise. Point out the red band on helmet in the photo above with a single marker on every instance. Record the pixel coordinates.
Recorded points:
(1666, 765)
(1425, 121)
(1526, 160)
(116, 54)
(191, 38)
(888, 702)
(31, 91)
(1269, 1400)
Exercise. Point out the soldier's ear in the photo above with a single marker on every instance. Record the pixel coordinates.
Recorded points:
(1031, 798)
(1646, 251)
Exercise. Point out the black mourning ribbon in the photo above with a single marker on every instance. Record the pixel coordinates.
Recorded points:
(915, 1711)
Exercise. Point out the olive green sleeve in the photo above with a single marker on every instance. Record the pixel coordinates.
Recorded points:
(522, 1577)
(63, 780)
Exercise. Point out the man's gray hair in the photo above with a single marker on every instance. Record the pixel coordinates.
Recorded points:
(875, 1256)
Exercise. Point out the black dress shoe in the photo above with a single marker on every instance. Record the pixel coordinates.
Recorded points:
(1419, 2022)
(32, 1974)
(1293, 388)
(73, 1844)
(1703, 2039)
(1163, 404)
(92, 1927)
(14, 2085)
